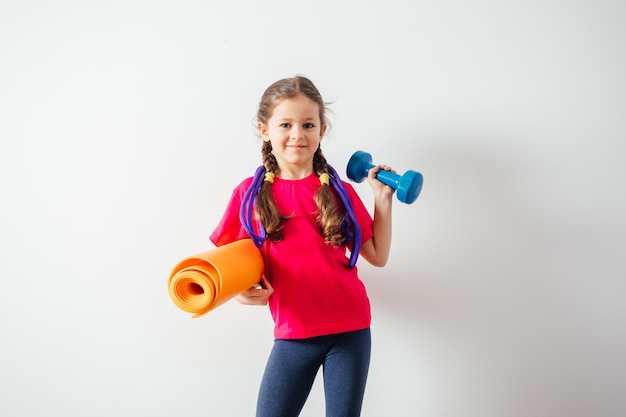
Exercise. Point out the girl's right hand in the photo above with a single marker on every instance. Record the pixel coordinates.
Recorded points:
(255, 296)
(379, 187)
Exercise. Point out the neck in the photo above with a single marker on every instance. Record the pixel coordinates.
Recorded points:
(294, 173)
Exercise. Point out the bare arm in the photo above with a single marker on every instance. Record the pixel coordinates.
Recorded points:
(376, 249)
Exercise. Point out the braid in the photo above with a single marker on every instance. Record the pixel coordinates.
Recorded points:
(266, 209)
(330, 217)
(269, 160)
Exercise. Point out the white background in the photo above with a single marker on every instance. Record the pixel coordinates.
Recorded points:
(124, 126)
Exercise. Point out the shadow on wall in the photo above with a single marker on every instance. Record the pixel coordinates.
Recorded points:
(471, 222)
(502, 273)
(494, 227)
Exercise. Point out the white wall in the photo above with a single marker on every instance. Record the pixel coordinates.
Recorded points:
(124, 126)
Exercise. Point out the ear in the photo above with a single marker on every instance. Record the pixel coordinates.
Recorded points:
(262, 131)
(323, 130)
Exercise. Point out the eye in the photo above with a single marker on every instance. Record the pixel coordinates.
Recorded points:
(309, 125)
(285, 125)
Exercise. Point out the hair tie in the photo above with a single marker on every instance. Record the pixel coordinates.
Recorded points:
(269, 177)
(325, 179)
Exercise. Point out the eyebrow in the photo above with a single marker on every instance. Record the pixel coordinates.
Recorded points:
(287, 119)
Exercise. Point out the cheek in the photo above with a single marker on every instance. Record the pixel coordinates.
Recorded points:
(279, 136)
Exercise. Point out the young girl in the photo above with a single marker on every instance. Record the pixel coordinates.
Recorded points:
(305, 220)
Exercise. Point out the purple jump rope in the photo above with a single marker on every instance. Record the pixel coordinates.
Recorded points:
(350, 223)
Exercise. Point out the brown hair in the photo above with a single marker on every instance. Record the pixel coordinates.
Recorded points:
(330, 217)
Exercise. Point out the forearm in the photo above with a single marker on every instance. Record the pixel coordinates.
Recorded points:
(376, 250)
(382, 229)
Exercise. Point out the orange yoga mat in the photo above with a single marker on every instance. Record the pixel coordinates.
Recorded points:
(202, 282)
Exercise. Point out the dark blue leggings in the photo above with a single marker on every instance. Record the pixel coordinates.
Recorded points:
(293, 365)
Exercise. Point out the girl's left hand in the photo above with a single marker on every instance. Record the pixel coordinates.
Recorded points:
(256, 296)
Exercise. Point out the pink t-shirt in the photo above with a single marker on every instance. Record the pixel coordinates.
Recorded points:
(315, 291)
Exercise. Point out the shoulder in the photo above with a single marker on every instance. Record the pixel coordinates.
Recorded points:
(239, 191)
(245, 183)
(351, 191)
(347, 185)
(243, 186)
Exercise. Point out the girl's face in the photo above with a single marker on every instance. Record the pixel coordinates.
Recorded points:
(295, 131)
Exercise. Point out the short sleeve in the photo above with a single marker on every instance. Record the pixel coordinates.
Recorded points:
(362, 215)
(230, 228)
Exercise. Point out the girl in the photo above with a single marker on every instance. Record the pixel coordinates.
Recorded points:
(305, 219)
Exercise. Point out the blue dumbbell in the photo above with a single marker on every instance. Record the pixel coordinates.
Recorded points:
(407, 186)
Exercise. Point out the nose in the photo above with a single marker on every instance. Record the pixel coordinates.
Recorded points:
(297, 132)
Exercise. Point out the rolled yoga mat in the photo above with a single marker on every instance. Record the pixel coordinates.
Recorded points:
(200, 283)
